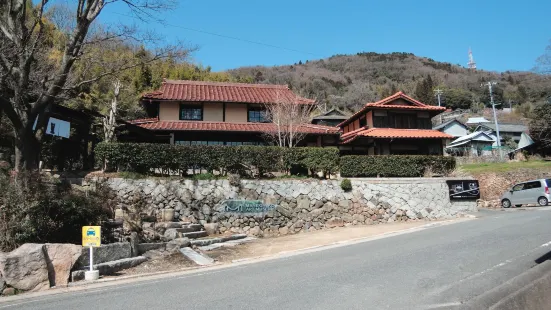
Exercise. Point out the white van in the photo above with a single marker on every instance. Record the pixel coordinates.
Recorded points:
(530, 192)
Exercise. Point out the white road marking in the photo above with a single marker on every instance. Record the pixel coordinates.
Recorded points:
(443, 305)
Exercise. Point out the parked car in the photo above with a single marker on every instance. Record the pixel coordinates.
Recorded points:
(530, 192)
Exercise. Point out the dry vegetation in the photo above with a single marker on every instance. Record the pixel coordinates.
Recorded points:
(497, 178)
(349, 81)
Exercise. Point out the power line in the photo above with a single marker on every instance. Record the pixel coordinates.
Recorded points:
(233, 38)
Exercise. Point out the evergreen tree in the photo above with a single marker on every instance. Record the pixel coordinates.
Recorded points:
(424, 91)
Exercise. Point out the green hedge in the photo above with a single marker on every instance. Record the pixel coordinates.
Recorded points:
(394, 165)
(144, 157)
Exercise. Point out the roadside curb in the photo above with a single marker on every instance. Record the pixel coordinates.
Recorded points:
(507, 289)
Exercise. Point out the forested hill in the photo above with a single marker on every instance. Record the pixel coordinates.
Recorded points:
(349, 81)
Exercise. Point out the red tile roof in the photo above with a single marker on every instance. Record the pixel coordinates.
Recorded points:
(386, 104)
(224, 126)
(143, 120)
(381, 133)
(195, 91)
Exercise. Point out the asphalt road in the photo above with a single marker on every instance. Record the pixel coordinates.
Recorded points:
(436, 268)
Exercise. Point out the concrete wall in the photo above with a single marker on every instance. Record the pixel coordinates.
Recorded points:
(213, 112)
(299, 204)
(169, 111)
(236, 113)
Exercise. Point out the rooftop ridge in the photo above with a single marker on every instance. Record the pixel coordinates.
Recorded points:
(224, 84)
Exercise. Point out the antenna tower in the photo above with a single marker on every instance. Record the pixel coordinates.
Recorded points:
(471, 63)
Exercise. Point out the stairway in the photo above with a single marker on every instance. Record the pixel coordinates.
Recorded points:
(182, 230)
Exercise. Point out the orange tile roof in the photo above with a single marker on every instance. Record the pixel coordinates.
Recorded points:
(233, 127)
(199, 91)
(381, 133)
(385, 104)
(143, 120)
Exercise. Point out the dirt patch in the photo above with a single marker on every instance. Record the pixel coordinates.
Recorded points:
(271, 246)
(494, 184)
(161, 262)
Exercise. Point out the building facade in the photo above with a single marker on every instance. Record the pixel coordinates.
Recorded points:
(397, 125)
(214, 113)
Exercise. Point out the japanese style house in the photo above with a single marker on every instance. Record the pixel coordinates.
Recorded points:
(397, 124)
(214, 113)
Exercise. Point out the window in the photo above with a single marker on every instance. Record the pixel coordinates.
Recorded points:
(518, 187)
(363, 121)
(380, 122)
(191, 112)
(535, 184)
(257, 115)
(407, 121)
(424, 123)
(229, 143)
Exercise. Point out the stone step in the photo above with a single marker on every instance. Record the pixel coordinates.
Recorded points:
(197, 257)
(208, 241)
(190, 227)
(230, 244)
(194, 234)
(171, 224)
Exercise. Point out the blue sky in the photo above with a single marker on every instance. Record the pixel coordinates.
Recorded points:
(504, 35)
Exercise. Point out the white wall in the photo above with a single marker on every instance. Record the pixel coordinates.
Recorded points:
(456, 130)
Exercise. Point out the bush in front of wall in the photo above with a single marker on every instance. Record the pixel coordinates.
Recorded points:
(148, 158)
(346, 185)
(394, 165)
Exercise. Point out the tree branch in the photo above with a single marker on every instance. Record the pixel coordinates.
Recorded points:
(11, 114)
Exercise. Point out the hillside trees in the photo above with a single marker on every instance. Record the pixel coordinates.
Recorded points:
(498, 94)
(42, 62)
(457, 98)
(540, 126)
(386, 72)
(424, 91)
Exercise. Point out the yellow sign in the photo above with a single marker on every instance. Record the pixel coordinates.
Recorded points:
(91, 236)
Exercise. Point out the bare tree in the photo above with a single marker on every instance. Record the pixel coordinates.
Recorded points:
(540, 125)
(35, 72)
(543, 63)
(110, 121)
(288, 116)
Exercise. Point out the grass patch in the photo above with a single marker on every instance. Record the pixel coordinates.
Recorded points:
(504, 167)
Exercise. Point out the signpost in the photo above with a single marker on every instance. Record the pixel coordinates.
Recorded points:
(91, 237)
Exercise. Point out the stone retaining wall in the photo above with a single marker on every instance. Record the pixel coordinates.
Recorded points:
(292, 205)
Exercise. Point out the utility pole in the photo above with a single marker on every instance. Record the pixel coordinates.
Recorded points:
(438, 93)
(490, 84)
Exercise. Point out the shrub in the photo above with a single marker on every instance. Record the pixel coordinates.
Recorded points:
(394, 165)
(34, 209)
(165, 158)
(346, 185)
